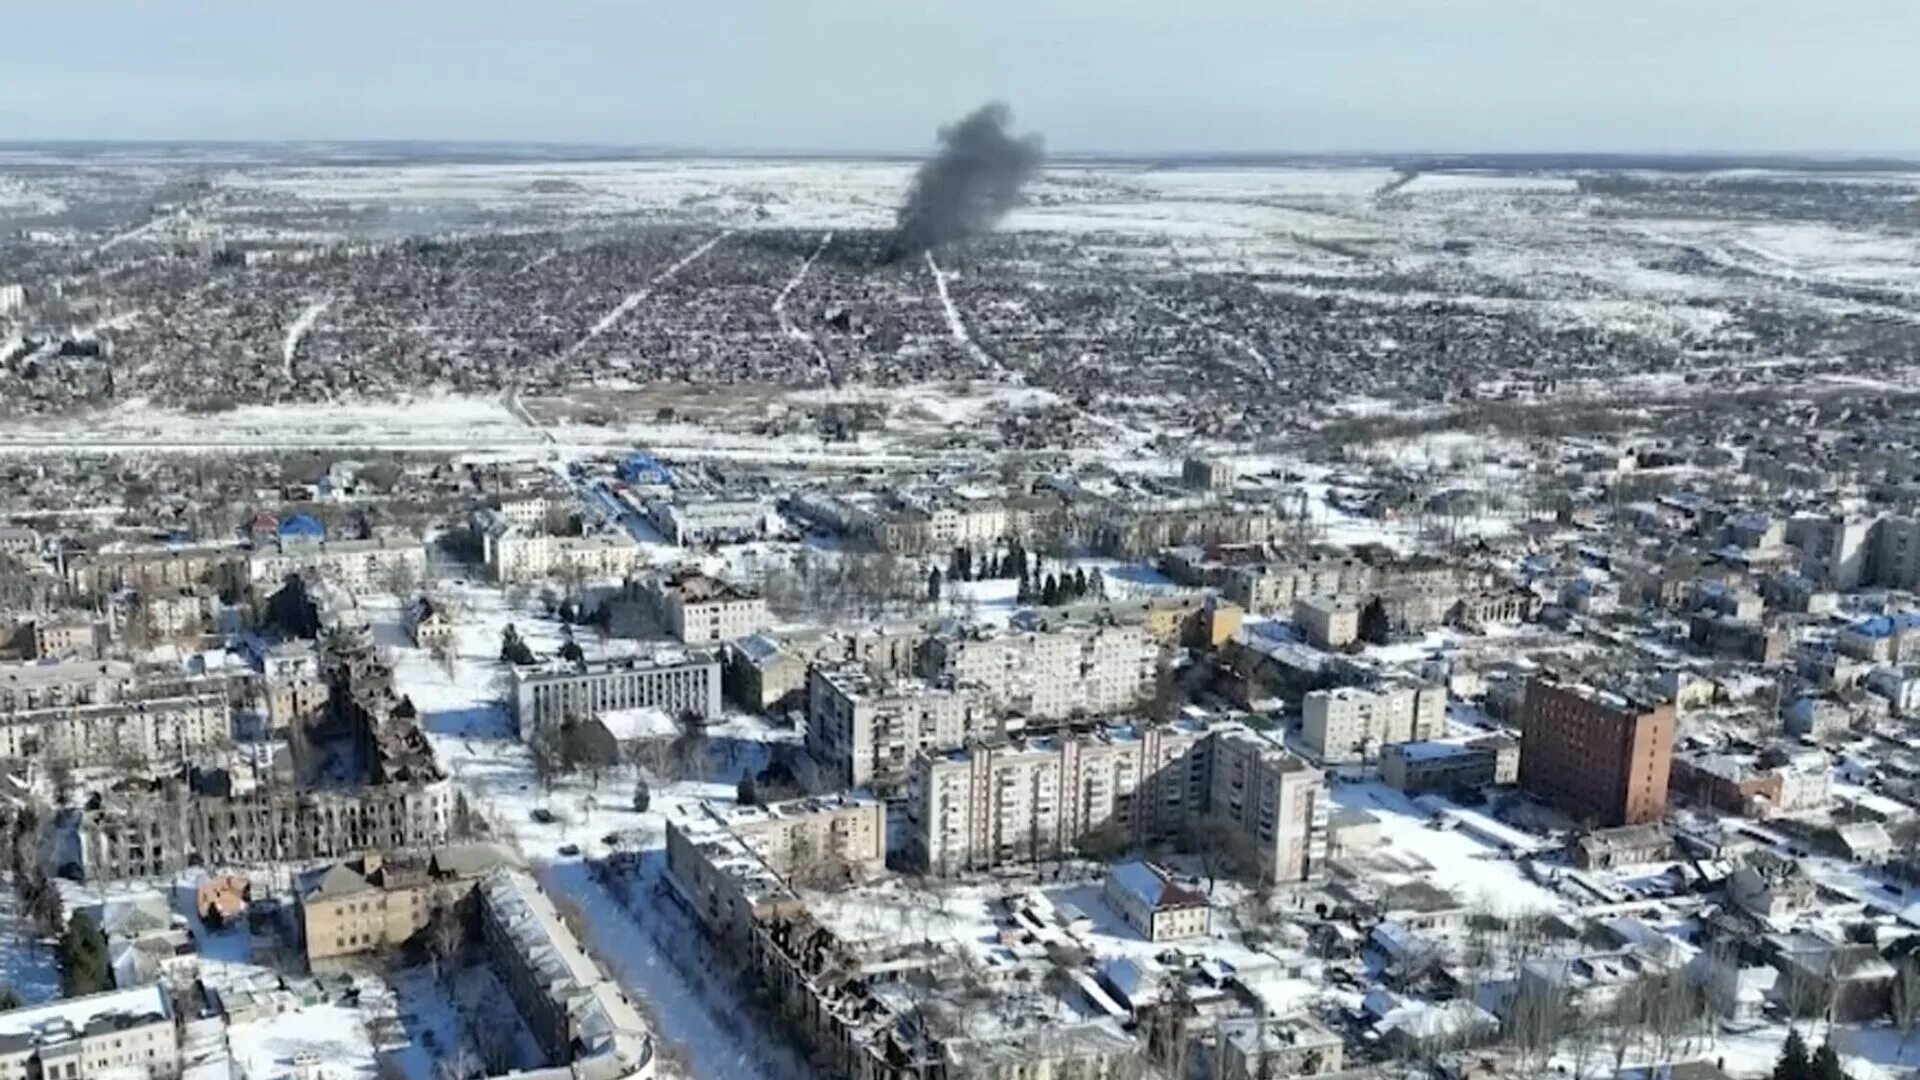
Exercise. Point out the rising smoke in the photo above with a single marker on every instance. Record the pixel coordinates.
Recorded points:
(967, 187)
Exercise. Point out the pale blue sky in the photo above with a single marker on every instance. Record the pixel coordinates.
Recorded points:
(1124, 75)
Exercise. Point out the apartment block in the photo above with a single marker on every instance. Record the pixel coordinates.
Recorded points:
(355, 565)
(1352, 723)
(675, 680)
(869, 728)
(147, 730)
(1076, 669)
(698, 609)
(1276, 800)
(116, 1033)
(375, 903)
(578, 1015)
(160, 834)
(514, 555)
(1003, 801)
(1328, 622)
(733, 864)
(1599, 755)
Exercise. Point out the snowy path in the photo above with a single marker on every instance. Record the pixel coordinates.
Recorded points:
(719, 1037)
(1238, 342)
(639, 296)
(780, 307)
(957, 327)
(299, 330)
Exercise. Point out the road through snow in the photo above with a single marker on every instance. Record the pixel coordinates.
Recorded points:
(958, 327)
(639, 296)
(780, 307)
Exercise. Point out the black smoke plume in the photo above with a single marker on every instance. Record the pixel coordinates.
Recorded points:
(967, 187)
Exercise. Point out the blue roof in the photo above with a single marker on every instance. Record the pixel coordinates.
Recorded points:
(1880, 626)
(641, 466)
(302, 525)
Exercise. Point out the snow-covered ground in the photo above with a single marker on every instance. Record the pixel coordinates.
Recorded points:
(334, 1035)
(1477, 872)
(26, 963)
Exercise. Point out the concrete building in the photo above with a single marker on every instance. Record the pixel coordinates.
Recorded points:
(1274, 798)
(1158, 907)
(997, 802)
(1454, 766)
(1051, 672)
(291, 682)
(1598, 755)
(429, 625)
(70, 682)
(713, 521)
(698, 609)
(1328, 622)
(733, 864)
(516, 555)
(374, 904)
(1352, 723)
(675, 680)
(1262, 1047)
(151, 730)
(1206, 474)
(763, 675)
(154, 569)
(117, 1033)
(868, 729)
(77, 639)
(161, 834)
(358, 566)
(578, 1015)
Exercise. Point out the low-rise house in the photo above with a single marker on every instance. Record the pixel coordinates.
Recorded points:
(375, 903)
(1770, 887)
(1845, 982)
(1627, 845)
(1257, 1048)
(429, 624)
(1158, 907)
(1449, 765)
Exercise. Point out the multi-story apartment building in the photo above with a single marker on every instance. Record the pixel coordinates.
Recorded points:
(515, 554)
(1449, 765)
(1598, 755)
(1328, 622)
(80, 639)
(579, 1016)
(1075, 669)
(733, 864)
(145, 729)
(915, 524)
(163, 833)
(1000, 801)
(675, 680)
(1352, 723)
(1274, 586)
(868, 728)
(1277, 801)
(292, 685)
(698, 609)
(375, 903)
(154, 569)
(116, 1033)
(355, 565)
(71, 682)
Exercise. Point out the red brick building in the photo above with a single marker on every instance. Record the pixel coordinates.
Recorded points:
(1598, 756)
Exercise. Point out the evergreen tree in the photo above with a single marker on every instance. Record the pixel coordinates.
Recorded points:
(570, 650)
(1826, 1063)
(747, 793)
(991, 570)
(966, 564)
(10, 999)
(1375, 628)
(514, 650)
(933, 585)
(1050, 591)
(1794, 1063)
(1079, 583)
(1025, 593)
(1016, 561)
(1097, 583)
(82, 952)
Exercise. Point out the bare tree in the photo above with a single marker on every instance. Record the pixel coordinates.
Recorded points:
(459, 1062)
(1906, 996)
